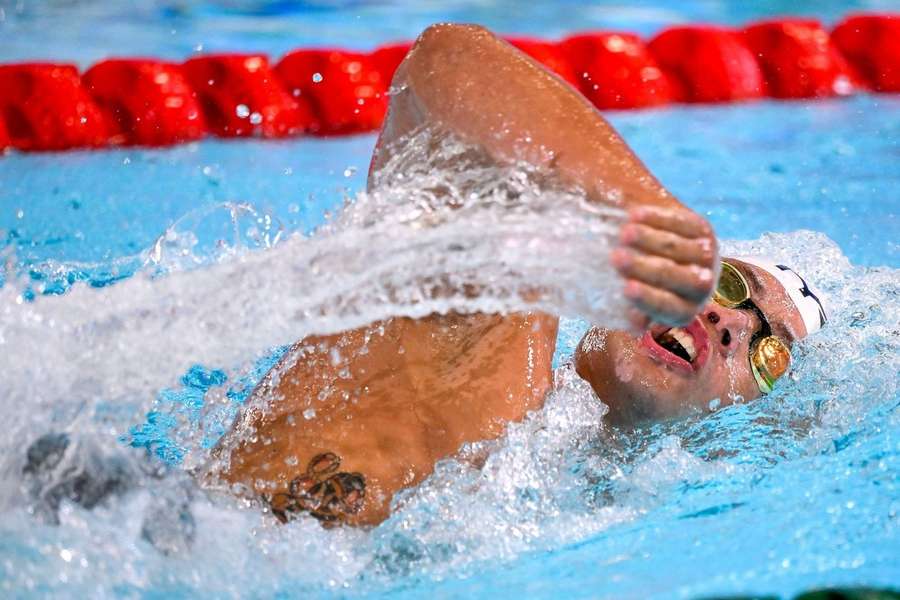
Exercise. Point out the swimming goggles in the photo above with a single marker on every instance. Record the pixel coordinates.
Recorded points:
(769, 355)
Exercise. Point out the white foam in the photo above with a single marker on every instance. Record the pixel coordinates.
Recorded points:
(406, 249)
(556, 478)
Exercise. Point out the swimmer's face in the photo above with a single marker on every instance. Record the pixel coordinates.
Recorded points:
(643, 378)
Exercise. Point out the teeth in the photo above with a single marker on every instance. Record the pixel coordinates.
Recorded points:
(685, 339)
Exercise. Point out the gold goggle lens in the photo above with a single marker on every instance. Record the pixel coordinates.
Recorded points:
(769, 359)
(732, 288)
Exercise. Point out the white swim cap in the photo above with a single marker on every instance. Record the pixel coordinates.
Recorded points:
(804, 296)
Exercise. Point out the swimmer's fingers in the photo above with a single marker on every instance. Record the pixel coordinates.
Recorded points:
(697, 251)
(669, 259)
(680, 221)
(691, 282)
(659, 305)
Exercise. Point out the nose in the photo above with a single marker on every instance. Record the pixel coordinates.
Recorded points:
(728, 326)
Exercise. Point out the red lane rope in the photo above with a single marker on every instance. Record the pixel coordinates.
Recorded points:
(136, 101)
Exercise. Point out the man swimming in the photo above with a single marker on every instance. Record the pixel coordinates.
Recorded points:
(345, 421)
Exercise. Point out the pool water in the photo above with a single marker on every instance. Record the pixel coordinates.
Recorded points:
(794, 491)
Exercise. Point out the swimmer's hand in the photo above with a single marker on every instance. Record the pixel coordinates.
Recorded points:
(669, 260)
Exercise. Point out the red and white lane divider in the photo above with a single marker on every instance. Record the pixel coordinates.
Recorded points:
(46, 106)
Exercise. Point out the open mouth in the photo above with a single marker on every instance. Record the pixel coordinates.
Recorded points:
(683, 348)
(678, 342)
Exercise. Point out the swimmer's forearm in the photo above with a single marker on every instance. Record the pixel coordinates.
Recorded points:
(487, 92)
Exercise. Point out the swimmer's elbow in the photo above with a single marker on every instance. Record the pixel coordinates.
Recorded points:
(446, 47)
(449, 35)
(437, 69)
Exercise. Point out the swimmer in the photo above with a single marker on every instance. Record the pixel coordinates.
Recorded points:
(335, 432)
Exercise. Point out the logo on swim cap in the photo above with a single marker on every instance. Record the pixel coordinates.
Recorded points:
(805, 297)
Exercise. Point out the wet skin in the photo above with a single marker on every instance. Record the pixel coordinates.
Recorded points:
(639, 380)
(346, 421)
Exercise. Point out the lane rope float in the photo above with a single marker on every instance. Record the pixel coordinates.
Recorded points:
(326, 92)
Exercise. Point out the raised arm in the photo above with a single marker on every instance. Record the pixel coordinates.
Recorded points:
(347, 420)
(465, 80)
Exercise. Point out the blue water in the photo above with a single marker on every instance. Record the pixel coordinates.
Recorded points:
(828, 166)
(795, 491)
(174, 29)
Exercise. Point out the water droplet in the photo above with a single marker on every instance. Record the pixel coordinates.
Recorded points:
(843, 85)
(20, 213)
(256, 118)
(198, 48)
(309, 413)
(317, 77)
(349, 171)
(242, 111)
(334, 355)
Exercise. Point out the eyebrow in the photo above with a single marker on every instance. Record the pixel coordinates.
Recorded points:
(777, 327)
(754, 279)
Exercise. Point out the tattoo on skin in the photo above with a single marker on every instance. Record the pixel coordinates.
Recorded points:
(323, 492)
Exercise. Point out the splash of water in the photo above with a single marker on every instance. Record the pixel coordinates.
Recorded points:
(439, 223)
(93, 360)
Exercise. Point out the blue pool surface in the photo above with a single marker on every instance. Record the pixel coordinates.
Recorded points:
(796, 491)
(828, 166)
